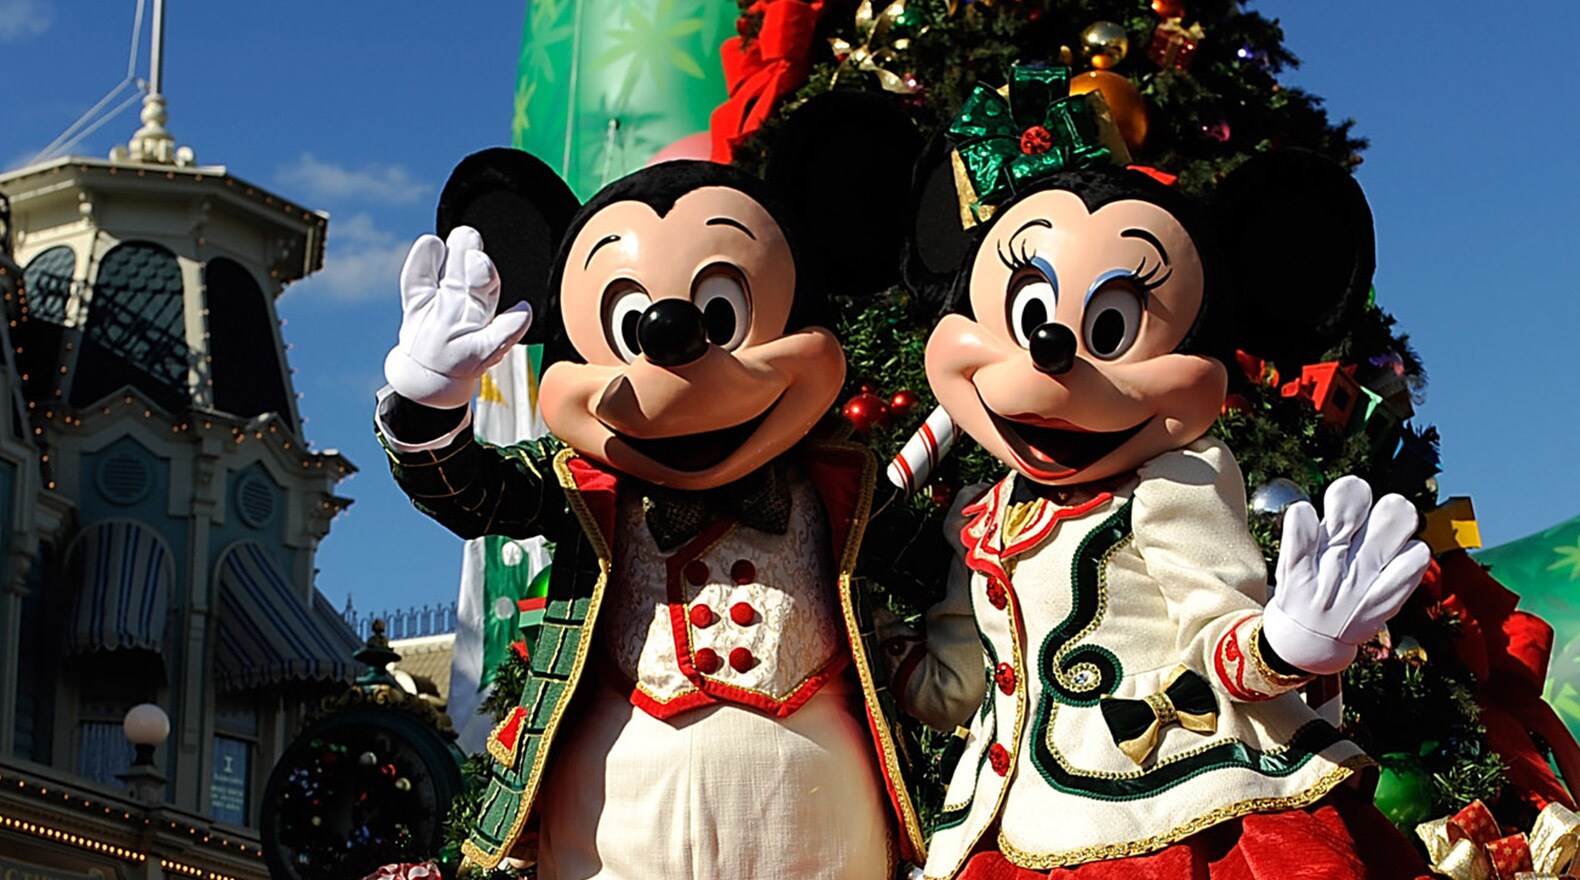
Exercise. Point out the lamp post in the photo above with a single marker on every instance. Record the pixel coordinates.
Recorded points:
(146, 727)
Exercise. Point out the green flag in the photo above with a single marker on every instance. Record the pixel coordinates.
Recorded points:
(1544, 569)
(604, 85)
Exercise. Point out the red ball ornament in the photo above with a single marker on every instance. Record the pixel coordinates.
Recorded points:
(1168, 8)
(902, 402)
(866, 411)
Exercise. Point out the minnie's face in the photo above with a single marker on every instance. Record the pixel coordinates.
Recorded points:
(1070, 371)
(690, 379)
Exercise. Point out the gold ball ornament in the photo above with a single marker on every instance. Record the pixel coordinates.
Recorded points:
(1125, 103)
(1104, 44)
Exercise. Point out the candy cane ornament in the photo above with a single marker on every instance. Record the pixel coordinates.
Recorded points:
(920, 455)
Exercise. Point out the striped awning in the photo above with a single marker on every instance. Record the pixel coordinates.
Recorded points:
(123, 572)
(266, 633)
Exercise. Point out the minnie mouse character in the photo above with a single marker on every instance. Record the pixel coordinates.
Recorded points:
(1108, 637)
(700, 700)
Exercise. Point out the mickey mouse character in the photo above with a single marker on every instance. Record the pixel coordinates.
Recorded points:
(700, 701)
(1108, 637)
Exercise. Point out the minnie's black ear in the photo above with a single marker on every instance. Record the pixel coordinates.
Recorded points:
(843, 162)
(521, 208)
(936, 245)
(1299, 250)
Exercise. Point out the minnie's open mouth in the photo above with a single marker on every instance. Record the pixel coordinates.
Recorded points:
(697, 452)
(1056, 453)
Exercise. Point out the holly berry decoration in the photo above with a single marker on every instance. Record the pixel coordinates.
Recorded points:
(866, 412)
(901, 404)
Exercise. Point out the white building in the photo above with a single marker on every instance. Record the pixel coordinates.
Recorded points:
(159, 507)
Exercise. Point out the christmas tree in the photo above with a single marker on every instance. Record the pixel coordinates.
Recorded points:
(1194, 88)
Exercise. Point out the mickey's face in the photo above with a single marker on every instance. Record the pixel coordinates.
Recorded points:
(690, 379)
(1070, 371)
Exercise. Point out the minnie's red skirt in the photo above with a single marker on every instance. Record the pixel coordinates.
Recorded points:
(1341, 837)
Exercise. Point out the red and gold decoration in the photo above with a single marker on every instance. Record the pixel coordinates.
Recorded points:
(884, 36)
(1125, 103)
(1174, 44)
(1470, 845)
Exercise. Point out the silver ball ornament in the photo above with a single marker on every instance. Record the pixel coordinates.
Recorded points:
(1271, 498)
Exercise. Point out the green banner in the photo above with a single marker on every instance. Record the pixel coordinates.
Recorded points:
(1544, 569)
(603, 86)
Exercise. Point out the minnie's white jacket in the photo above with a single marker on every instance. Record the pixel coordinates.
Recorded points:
(1054, 609)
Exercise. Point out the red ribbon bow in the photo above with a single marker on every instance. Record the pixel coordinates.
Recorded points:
(1508, 651)
(760, 71)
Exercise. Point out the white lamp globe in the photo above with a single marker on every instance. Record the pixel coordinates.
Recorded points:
(146, 725)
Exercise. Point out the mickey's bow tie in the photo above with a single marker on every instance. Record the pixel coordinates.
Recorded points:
(759, 500)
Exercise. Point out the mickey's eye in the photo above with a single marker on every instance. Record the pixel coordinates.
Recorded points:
(624, 303)
(1113, 318)
(720, 294)
(1032, 299)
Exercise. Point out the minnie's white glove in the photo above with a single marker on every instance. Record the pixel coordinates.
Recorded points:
(449, 334)
(1340, 580)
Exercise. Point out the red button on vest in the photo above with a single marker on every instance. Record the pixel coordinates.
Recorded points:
(1004, 674)
(996, 595)
(741, 659)
(743, 571)
(702, 616)
(696, 572)
(742, 613)
(707, 661)
(998, 756)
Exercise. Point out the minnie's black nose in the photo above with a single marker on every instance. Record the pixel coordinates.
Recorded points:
(672, 333)
(1052, 348)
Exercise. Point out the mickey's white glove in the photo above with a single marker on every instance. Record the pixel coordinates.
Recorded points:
(1340, 580)
(449, 334)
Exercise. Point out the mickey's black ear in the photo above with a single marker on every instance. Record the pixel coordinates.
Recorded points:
(843, 162)
(1299, 248)
(936, 246)
(521, 208)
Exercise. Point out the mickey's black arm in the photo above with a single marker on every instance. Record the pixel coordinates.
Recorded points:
(471, 488)
(902, 549)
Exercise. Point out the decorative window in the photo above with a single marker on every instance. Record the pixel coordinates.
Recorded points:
(48, 283)
(246, 368)
(136, 330)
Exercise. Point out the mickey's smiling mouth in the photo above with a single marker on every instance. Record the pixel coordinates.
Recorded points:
(697, 452)
(1054, 453)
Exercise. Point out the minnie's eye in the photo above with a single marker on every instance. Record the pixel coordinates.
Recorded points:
(720, 294)
(624, 303)
(1113, 319)
(1032, 299)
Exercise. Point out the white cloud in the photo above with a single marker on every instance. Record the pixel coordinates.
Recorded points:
(326, 181)
(362, 262)
(21, 19)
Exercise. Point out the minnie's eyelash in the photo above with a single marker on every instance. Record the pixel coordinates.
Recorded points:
(1015, 259)
(1149, 279)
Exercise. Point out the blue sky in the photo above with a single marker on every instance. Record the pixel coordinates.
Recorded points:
(361, 108)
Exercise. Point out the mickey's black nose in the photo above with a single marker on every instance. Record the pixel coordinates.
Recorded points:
(672, 333)
(1053, 348)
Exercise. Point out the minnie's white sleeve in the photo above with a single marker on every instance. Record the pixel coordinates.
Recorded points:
(1189, 522)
